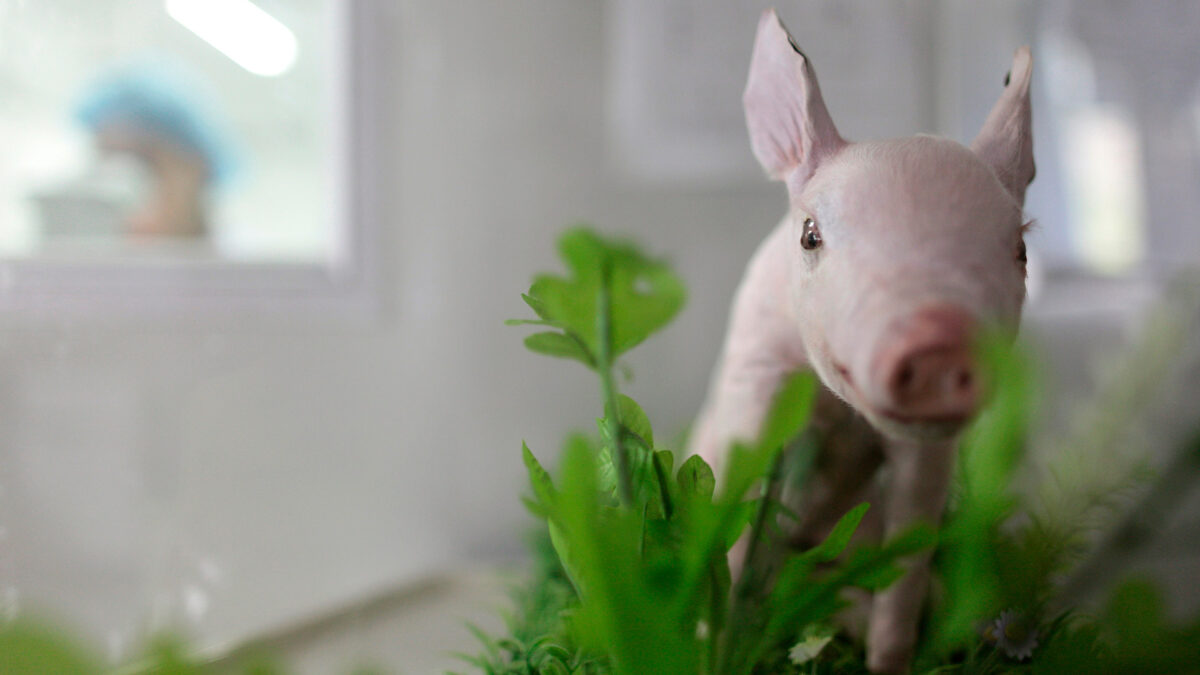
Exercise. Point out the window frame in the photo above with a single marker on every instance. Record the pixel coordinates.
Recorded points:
(343, 285)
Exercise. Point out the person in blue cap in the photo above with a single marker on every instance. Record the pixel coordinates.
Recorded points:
(160, 114)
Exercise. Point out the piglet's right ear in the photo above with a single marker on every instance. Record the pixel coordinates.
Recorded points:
(790, 129)
(1006, 141)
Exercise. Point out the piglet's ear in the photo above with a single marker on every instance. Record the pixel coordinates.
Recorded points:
(1006, 141)
(790, 129)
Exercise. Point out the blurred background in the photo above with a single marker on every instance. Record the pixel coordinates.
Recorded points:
(255, 258)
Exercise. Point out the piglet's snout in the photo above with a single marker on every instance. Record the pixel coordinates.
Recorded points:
(927, 369)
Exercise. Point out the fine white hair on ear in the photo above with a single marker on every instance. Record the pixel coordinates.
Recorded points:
(790, 128)
(1006, 141)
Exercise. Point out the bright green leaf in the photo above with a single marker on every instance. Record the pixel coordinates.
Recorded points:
(799, 599)
(990, 452)
(34, 649)
(647, 490)
(535, 508)
(789, 411)
(643, 294)
(559, 345)
(620, 613)
(537, 306)
(696, 478)
(539, 478)
(633, 418)
(839, 537)
(666, 459)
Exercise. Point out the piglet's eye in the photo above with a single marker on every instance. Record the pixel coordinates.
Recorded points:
(810, 236)
(1022, 257)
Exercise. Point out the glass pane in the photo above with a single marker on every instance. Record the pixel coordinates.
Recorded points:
(194, 128)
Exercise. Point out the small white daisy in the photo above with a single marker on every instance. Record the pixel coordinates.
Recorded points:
(1013, 635)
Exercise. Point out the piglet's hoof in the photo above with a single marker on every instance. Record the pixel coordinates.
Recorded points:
(890, 645)
(888, 661)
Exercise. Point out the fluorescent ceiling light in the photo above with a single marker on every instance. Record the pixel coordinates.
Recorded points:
(240, 30)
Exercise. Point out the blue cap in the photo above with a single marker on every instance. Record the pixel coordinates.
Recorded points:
(165, 99)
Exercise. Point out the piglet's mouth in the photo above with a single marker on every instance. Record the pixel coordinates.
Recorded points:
(949, 419)
(940, 422)
(858, 399)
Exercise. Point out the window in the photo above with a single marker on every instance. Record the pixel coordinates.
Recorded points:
(182, 154)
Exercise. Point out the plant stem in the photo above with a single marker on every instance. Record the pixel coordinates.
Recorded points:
(604, 365)
(752, 579)
(718, 599)
(663, 491)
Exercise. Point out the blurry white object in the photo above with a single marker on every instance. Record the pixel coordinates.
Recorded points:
(1102, 161)
(1123, 78)
(241, 30)
(97, 204)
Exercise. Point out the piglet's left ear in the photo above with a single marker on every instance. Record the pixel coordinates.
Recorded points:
(1006, 141)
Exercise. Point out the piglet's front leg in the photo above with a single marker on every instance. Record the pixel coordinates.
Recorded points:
(920, 480)
(761, 349)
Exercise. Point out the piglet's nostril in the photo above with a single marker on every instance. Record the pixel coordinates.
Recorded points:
(933, 383)
(965, 380)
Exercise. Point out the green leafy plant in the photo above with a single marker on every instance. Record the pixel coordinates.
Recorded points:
(644, 542)
(31, 646)
(635, 547)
